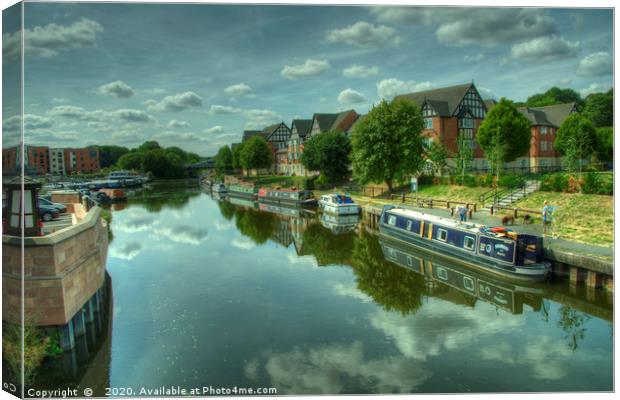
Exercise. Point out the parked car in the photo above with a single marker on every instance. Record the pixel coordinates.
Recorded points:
(100, 197)
(47, 212)
(60, 207)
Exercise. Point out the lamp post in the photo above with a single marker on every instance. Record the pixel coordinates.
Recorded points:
(22, 209)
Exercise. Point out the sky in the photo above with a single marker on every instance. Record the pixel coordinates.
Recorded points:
(196, 76)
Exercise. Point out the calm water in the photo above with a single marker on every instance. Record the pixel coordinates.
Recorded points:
(211, 293)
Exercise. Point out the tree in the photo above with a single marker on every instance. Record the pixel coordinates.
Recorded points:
(256, 154)
(109, 155)
(553, 96)
(464, 155)
(131, 160)
(575, 140)
(599, 108)
(329, 153)
(604, 147)
(149, 145)
(387, 145)
(236, 156)
(437, 154)
(223, 160)
(504, 135)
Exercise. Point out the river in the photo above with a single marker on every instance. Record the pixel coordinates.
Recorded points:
(207, 293)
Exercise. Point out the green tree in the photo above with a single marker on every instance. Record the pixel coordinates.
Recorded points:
(437, 154)
(604, 147)
(257, 225)
(327, 247)
(109, 155)
(329, 153)
(599, 108)
(149, 145)
(575, 140)
(464, 155)
(256, 154)
(553, 96)
(131, 160)
(155, 162)
(387, 145)
(223, 160)
(504, 135)
(236, 156)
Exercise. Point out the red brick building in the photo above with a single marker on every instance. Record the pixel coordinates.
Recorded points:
(9, 160)
(38, 159)
(84, 160)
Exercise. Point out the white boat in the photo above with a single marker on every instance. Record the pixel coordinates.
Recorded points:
(218, 188)
(338, 204)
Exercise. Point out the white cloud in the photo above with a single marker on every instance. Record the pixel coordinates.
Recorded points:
(364, 34)
(58, 100)
(594, 88)
(486, 93)
(178, 124)
(308, 69)
(123, 115)
(596, 64)
(360, 71)
(259, 118)
(181, 136)
(243, 244)
(126, 251)
(461, 26)
(240, 89)
(474, 57)
(31, 122)
(350, 96)
(216, 109)
(215, 129)
(181, 233)
(389, 88)
(50, 40)
(117, 89)
(177, 102)
(544, 49)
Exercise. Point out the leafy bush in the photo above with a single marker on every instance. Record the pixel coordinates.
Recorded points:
(593, 183)
(554, 183)
(425, 179)
(467, 180)
(308, 183)
(511, 181)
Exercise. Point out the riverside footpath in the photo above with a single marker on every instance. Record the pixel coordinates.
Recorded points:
(582, 263)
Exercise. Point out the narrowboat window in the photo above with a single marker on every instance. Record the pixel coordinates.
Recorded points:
(469, 243)
(409, 223)
(409, 261)
(391, 253)
(392, 220)
(468, 283)
(442, 234)
(442, 273)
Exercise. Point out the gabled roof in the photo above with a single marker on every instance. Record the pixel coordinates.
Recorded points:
(490, 103)
(325, 121)
(249, 134)
(443, 100)
(303, 126)
(344, 121)
(548, 115)
(269, 130)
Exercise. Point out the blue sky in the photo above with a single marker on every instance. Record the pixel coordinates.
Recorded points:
(197, 75)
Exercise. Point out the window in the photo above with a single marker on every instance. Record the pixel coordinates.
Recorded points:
(428, 141)
(409, 261)
(543, 130)
(442, 234)
(391, 253)
(442, 273)
(543, 145)
(409, 224)
(468, 283)
(469, 242)
(428, 123)
(392, 220)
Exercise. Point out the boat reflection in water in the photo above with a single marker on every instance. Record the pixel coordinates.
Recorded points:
(340, 223)
(439, 273)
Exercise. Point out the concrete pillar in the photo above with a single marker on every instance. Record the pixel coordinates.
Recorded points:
(593, 280)
(574, 275)
(79, 323)
(67, 337)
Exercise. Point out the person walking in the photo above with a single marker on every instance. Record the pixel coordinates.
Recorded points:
(462, 213)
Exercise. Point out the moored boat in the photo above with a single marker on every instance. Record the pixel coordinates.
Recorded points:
(243, 189)
(338, 204)
(497, 250)
(292, 196)
(338, 223)
(218, 188)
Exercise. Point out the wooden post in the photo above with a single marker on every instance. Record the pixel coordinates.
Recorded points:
(593, 280)
(403, 197)
(515, 213)
(573, 275)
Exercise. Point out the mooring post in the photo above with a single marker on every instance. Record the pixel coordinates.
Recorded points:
(593, 280)
(573, 275)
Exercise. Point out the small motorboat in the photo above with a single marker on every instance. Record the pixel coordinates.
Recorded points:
(338, 204)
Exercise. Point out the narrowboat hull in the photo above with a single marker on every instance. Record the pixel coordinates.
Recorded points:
(291, 202)
(532, 273)
(243, 195)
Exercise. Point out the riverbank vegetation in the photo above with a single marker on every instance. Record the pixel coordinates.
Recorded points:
(156, 161)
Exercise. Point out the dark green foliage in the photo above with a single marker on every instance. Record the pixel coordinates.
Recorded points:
(329, 153)
(599, 108)
(236, 156)
(256, 154)
(604, 146)
(387, 145)
(466, 180)
(223, 160)
(504, 135)
(437, 154)
(575, 140)
(257, 225)
(553, 96)
(554, 183)
(511, 181)
(327, 247)
(109, 155)
(149, 145)
(131, 160)
(594, 183)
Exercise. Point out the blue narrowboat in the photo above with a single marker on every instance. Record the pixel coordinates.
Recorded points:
(496, 250)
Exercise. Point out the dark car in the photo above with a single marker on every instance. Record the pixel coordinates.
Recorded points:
(58, 206)
(47, 213)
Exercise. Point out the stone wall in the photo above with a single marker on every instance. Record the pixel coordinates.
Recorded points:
(61, 271)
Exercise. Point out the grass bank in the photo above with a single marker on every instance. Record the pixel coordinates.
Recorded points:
(586, 218)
